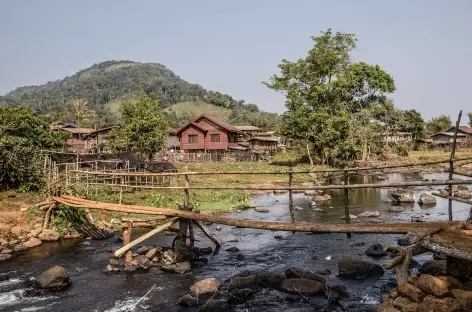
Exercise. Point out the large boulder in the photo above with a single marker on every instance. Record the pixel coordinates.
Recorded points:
(303, 286)
(355, 267)
(462, 194)
(56, 278)
(299, 273)
(431, 285)
(432, 304)
(458, 268)
(48, 235)
(462, 187)
(463, 297)
(32, 242)
(400, 195)
(426, 199)
(247, 282)
(433, 267)
(411, 292)
(376, 251)
(204, 287)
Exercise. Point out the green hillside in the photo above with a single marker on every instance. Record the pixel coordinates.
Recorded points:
(106, 84)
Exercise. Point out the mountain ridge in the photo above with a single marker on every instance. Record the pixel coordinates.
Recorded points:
(113, 81)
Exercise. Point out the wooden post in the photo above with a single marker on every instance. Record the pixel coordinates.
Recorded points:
(207, 232)
(126, 240)
(121, 190)
(347, 215)
(290, 193)
(451, 164)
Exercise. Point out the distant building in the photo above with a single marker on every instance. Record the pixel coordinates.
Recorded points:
(447, 138)
(263, 144)
(206, 133)
(97, 140)
(398, 137)
(76, 141)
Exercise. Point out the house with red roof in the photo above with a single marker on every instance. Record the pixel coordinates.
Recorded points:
(206, 133)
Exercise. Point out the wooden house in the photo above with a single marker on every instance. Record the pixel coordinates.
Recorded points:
(97, 140)
(466, 130)
(263, 144)
(447, 138)
(76, 140)
(206, 133)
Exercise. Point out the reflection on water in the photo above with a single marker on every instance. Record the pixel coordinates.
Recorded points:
(93, 290)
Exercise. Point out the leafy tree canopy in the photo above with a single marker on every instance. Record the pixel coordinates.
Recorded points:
(324, 91)
(143, 128)
(23, 135)
(438, 124)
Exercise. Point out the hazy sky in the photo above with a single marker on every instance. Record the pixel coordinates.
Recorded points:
(232, 46)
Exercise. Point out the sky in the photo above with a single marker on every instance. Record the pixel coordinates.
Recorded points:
(233, 46)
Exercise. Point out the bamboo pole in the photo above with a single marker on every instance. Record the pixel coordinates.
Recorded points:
(465, 201)
(347, 214)
(283, 172)
(142, 238)
(383, 228)
(208, 234)
(304, 188)
(126, 240)
(290, 194)
(451, 164)
(462, 173)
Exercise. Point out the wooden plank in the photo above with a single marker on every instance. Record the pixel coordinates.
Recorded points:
(395, 228)
(142, 238)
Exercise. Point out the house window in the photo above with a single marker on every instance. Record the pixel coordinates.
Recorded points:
(215, 138)
(192, 138)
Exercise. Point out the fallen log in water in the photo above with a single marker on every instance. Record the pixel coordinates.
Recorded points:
(397, 228)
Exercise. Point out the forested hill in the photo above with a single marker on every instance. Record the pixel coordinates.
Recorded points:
(103, 86)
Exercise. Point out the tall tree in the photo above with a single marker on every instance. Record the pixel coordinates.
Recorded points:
(470, 119)
(438, 124)
(23, 134)
(81, 112)
(143, 128)
(323, 90)
(412, 121)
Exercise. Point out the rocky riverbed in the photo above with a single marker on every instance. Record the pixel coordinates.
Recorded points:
(245, 253)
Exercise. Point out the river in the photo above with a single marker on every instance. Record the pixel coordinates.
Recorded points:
(93, 290)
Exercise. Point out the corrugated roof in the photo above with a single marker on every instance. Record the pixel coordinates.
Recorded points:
(467, 129)
(449, 134)
(247, 128)
(222, 124)
(78, 130)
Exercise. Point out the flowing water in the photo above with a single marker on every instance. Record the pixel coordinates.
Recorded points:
(93, 290)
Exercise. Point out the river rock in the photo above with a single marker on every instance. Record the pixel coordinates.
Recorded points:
(431, 285)
(261, 209)
(401, 302)
(369, 214)
(232, 249)
(143, 250)
(215, 305)
(55, 278)
(411, 292)
(376, 251)
(395, 209)
(400, 195)
(355, 267)
(48, 235)
(239, 296)
(452, 282)
(19, 248)
(4, 257)
(6, 251)
(188, 301)
(110, 268)
(313, 192)
(152, 253)
(143, 261)
(462, 194)
(299, 273)
(5, 227)
(426, 199)
(433, 304)
(35, 232)
(204, 287)
(303, 286)
(179, 267)
(433, 267)
(32, 242)
(463, 297)
(321, 198)
(458, 268)
(463, 187)
(381, 178)
(240, 282)
(350, 217)
(387, 306)
(114, 262)
(3, 242)
(206, 250)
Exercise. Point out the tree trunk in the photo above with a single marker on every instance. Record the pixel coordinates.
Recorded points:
(309, 155)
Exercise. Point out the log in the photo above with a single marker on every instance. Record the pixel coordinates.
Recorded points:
(401, 261)
(395, 228)
(142, 238)
(465, 201)
(126, 240)
(47, 217)
(208, 234)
